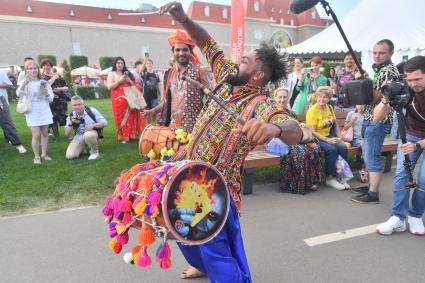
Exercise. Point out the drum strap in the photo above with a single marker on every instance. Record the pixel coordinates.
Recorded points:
(234, 138)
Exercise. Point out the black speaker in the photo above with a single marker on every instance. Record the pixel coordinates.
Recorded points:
(358, 92)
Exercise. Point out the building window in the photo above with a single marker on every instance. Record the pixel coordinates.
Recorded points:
(258, 34)
(207, 11)
(76, 48)
(109, 17)
(272, 10)
(282, 22)
(313, 15)
(142, 20)
(280, 11)
(225, 15)
(292, 22)
(257, 6)
(71, 13)
(29, 9)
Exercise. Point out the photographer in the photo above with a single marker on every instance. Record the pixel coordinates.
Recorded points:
(86, 125)
(374, 132)
(414, 147)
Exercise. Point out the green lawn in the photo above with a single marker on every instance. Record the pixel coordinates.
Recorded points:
(26, 188)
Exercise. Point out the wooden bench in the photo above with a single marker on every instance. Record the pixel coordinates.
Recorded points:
(259, 157)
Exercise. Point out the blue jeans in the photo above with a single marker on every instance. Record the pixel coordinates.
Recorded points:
(401, 194)
(151, 103)
(373, 138)
(331, 155)
(223, 258)
(356, 142)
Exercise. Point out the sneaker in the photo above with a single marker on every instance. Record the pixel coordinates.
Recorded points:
(416, 225)
(364, 176)
(46, 157)
(21, 149)
(391, 225)
(334, 184)
(94, 155)
(37, 160)
(343, 181)
(365, 198)
(360, 190)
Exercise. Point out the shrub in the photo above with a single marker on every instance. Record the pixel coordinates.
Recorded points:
(67, 74)
(106, 62)
(104, 92)
(86, 92)
(78, 61)
(50, 57)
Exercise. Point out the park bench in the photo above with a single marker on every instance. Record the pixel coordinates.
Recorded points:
(259, 157)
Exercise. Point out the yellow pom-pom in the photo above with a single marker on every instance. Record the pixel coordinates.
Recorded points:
(121, 228)
(112, 243)
(140, 207)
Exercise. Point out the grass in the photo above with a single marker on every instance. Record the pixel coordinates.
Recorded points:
(25, 188)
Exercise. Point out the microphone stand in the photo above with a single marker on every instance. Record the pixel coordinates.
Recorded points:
(331, 13)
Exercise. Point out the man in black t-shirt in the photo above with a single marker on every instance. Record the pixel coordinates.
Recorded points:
(152, 87)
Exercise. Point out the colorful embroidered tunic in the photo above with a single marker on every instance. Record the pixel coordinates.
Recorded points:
(212, 138)
(184, 102)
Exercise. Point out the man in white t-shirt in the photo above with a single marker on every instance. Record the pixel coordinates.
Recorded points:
(6, 123)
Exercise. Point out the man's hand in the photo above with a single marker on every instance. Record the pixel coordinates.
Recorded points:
(176, 11)
(407, 148)
(148, 113)
(89, 127)
(259, 132)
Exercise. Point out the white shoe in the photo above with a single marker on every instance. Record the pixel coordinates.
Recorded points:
(94, 155)
(343, 181)
(21, 149)
(416, 225)
(333, 183)
(391, 225)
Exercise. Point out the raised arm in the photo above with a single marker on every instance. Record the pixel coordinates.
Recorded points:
(196, 32)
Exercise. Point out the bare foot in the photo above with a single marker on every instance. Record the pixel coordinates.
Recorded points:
(191, 272)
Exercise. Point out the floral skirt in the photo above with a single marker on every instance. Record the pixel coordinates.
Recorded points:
(301, 168)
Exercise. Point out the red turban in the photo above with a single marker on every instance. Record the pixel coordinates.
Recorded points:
(181, 37)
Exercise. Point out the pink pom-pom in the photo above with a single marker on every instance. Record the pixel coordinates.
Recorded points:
(144, 259)
(154, 197)
(122, 239)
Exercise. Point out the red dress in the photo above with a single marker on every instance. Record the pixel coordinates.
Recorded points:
(135, 123)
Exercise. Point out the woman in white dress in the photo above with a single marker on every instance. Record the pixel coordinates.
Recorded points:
(40, 116)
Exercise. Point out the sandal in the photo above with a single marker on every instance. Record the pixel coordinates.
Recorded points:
(37, 160)
(46, 157)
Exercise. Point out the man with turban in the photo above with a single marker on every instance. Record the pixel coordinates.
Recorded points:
(182, 102)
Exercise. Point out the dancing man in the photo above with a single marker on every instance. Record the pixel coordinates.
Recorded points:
(183, 101)
(218, 139)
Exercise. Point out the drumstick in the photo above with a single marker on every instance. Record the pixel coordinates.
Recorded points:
(141, 13)
(216, 99)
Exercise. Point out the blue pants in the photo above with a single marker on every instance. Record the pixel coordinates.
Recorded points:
(331, 155)
(223, 258)
(373, 139)
(401, 194)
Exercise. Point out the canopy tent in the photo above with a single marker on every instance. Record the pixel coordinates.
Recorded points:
(370, 21)
(105, 72)
(85, 71)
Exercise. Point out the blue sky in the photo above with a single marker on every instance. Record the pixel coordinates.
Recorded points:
(340, 7)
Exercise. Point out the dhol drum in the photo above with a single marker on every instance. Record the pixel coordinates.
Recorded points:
(157, 137)
(187, 201)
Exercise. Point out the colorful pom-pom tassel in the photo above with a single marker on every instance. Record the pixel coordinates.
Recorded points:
(115, 246)
(140, 207)
(154, 198)
(144, 259)
(146, 236)
(163, 255)
(122, 239)
(128, 258)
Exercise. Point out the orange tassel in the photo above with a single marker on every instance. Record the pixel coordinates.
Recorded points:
(146, 236)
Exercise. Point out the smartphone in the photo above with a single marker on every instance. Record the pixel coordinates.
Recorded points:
(146, 54)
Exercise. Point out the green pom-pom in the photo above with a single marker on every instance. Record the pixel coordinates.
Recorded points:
(151, 154)
(179, 131)
(171, 152)
(189, 137)
(164, 151)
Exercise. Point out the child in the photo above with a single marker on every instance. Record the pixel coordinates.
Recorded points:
(355, 120)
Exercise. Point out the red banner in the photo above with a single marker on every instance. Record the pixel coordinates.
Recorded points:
(237, 30)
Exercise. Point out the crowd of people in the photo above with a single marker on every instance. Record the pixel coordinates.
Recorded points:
(221, 141)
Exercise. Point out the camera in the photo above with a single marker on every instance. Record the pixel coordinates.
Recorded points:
(398, 94)
(76, 121)
(357, 92)
(126, 73)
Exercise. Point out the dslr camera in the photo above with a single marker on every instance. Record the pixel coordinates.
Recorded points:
(398, 93)
(76, 121)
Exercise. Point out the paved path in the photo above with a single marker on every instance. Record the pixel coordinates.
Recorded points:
(71, 246)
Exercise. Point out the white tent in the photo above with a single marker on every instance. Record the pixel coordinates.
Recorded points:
(85, 71)
(370, 21)
(105, 72)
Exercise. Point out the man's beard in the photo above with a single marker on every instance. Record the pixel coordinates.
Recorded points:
(183, 62)
(238, 79)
